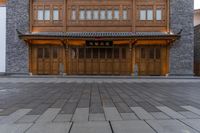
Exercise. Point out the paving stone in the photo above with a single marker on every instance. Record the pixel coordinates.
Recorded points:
(192, 109)
(96, 108)
(111, 113)
(189, 115)
(160, 115)
(171, 112)
(63, 118)
(96, 117)
(123, 108)
(28, 119)
(136, 126)
(142, 114)
(50, 128)
(14, 128)
(9, 110)
(108, 103)
(173, 106)
(39, 110)
(69, 108)
(170, 126)
(91, 127)
(15, 116)
(48, 115)
(129, 116)
(194, 123)
(148, 107)
(59, 103)
(84, 103)
(81, 114)
(2, 117)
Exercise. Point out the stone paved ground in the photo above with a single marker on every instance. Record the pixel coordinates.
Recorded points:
(99, 105)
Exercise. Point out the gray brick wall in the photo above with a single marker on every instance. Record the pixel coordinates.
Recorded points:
(182, 51)
(16, 50)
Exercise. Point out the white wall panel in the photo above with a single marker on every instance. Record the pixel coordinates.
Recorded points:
(2, 38)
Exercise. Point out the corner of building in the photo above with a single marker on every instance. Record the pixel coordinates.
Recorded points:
(182, 51)
(17, 12)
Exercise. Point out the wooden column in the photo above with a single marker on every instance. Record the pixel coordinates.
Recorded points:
(133, 11)
(65, 17)
(31, 15)
(131, 54)
(30, 59)
(66, 58)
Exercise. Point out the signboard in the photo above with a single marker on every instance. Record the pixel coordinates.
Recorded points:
(99, 43)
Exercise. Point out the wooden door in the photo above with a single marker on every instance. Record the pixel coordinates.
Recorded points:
(109, 61)
(99, 60)
(43, 60)
(148, 59)
(116, 61)
(56, 59)
(88, 61)
(73, 62)
(47, 61)
(102, 60)
(142, 64)
(157, 61)
(40, 60)
(81, 60)
(124, 61)
(95, 61)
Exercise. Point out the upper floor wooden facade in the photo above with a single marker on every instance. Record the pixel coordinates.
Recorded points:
(99, 16)
(2, 2)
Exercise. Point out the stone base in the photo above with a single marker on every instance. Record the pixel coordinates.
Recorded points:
(17, 74)
(184, 74)
(2, 73)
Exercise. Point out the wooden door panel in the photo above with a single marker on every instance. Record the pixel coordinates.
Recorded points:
(102, 66)
(151, 67)
(116, 67)
(47, 67)
(99, 60)
(56, 56)
(88, 61)
(109, 67)
(157, 69)
(95, 67)
(46, 60)
(142, 68)
(88, 66)
(40, 61)
(40, 68)
(148, 60)
(81, 67)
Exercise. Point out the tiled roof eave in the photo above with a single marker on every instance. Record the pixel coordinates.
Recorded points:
(79, 35)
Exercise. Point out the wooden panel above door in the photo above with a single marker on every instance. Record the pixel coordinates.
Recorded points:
(46, 42)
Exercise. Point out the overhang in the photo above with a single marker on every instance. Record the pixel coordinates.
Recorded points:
(117, 37)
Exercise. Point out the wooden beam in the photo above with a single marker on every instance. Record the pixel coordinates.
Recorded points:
(46, 42)
(151, 42)
(76, 42)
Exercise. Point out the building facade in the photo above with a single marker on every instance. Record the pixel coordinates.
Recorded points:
(92, 37)
(2, 36)
(197, 42)
(196, 17)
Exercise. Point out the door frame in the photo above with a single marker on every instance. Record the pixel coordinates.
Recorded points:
(33, 59)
